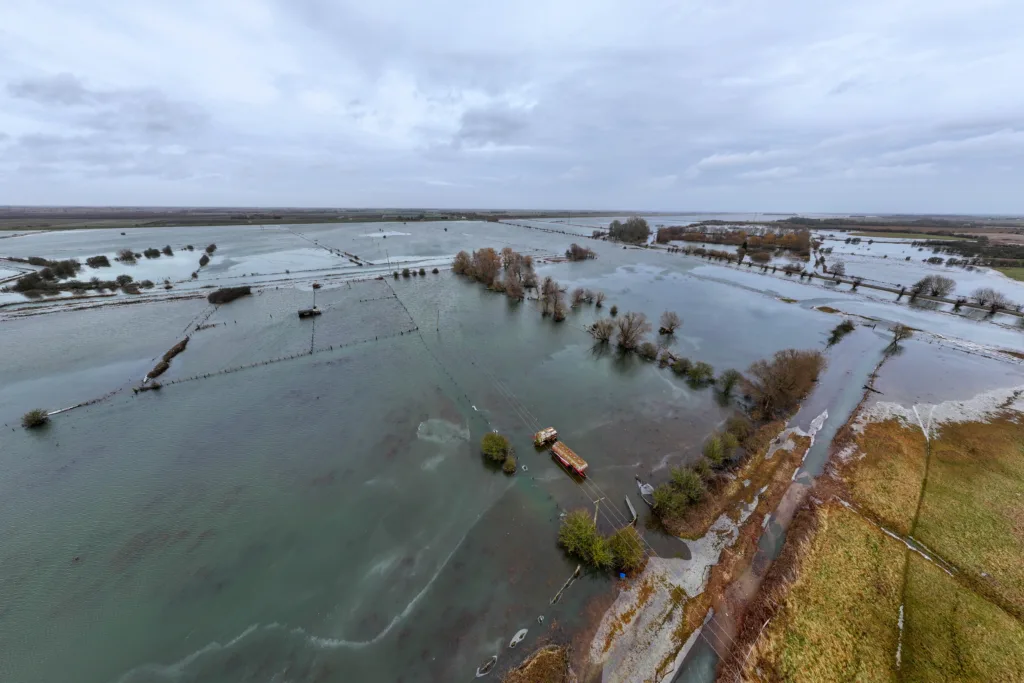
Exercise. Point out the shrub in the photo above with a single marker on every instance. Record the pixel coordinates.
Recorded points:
(647, 350)
(688, 483)
(495, 446)
(395, 274)
(703, 469)
(509, 466)
(739, 426)
(839, 331)
(123, 280)
(36, 417)
(405, 272)
(168, 251)
(673, 498)
(131, 288)
(211, 248)
(434, 271)
(146, 284)
(628, 549)
(151, 253)
(189, 247)
(228, 294)
(613, 311)
(577, 297)
(728, 380)
(778, 385)
(578, 535)
(423, 271)
(599, 299)
(714, 451)
(126, 256)
(486, 264)
(701, 373)
(203, 260)
(682, 366)
(98, 262)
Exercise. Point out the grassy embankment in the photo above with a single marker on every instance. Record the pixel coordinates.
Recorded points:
(550, 664)
(1015, 273)
(839, 618)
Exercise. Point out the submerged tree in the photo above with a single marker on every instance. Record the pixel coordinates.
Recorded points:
(462, 264)
(578, 535)
(603, 330)
(628, 549)
(36, 417)
(632, 328)
(900, 332)
(670, 322)
(934, 285)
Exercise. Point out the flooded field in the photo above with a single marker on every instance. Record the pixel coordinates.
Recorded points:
(305, 499)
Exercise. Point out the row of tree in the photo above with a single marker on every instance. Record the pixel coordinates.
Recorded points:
(486, 265)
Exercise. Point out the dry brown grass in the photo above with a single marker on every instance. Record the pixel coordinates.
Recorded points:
(887, 480)
(954, 634)
(548, 665)
(839, 619)
(828, 309)
(973, 508)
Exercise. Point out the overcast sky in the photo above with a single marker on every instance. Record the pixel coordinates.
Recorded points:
(745, 105)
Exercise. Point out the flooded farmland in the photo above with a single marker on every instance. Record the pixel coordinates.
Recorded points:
(305, 499)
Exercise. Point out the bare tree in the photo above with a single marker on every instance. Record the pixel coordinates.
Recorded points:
(933, 285)
(486, 264)
(632, 328)
(778, 385)
(507, 257)
(838, 268)
(577, 297)
(670, 322)
(514, 288)
(986, 296)
(588, 296)
(899, 333)
(599, 299)
(603, 329)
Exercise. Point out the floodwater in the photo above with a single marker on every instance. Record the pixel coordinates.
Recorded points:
(305, 500)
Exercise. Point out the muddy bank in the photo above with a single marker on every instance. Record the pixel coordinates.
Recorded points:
(550, 664)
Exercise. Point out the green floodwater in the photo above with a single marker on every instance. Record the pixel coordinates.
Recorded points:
(329, 517)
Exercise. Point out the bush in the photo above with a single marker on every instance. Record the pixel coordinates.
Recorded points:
(714, 451)
(228, 294)
(599, 299)
(627, 549)
(739, 426)
(682, 366)
(151, 253)
(405, 272)
(701, 373)
(123, 280)
(37, 417)
(778, 385)
(685, 488)
(728, 380)
(146, 284)
(648, 350)
(189, 247)
(578, 535)
(395, 274)
(495, 446)
(509, 466)
(577, 297)
(211, 248)
(423, 271)
(613, 311)
(203, 260)
(98, 262)
(434, 271)
(168, 251)
(462, 265)
(126, 256)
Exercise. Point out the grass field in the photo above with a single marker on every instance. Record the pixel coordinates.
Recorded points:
(973, 508)
(839, 622)
(904, 235)
(953, 634)
(1015, 273)
(887, 480)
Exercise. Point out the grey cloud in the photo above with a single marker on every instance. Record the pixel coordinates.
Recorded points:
(801, 105)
